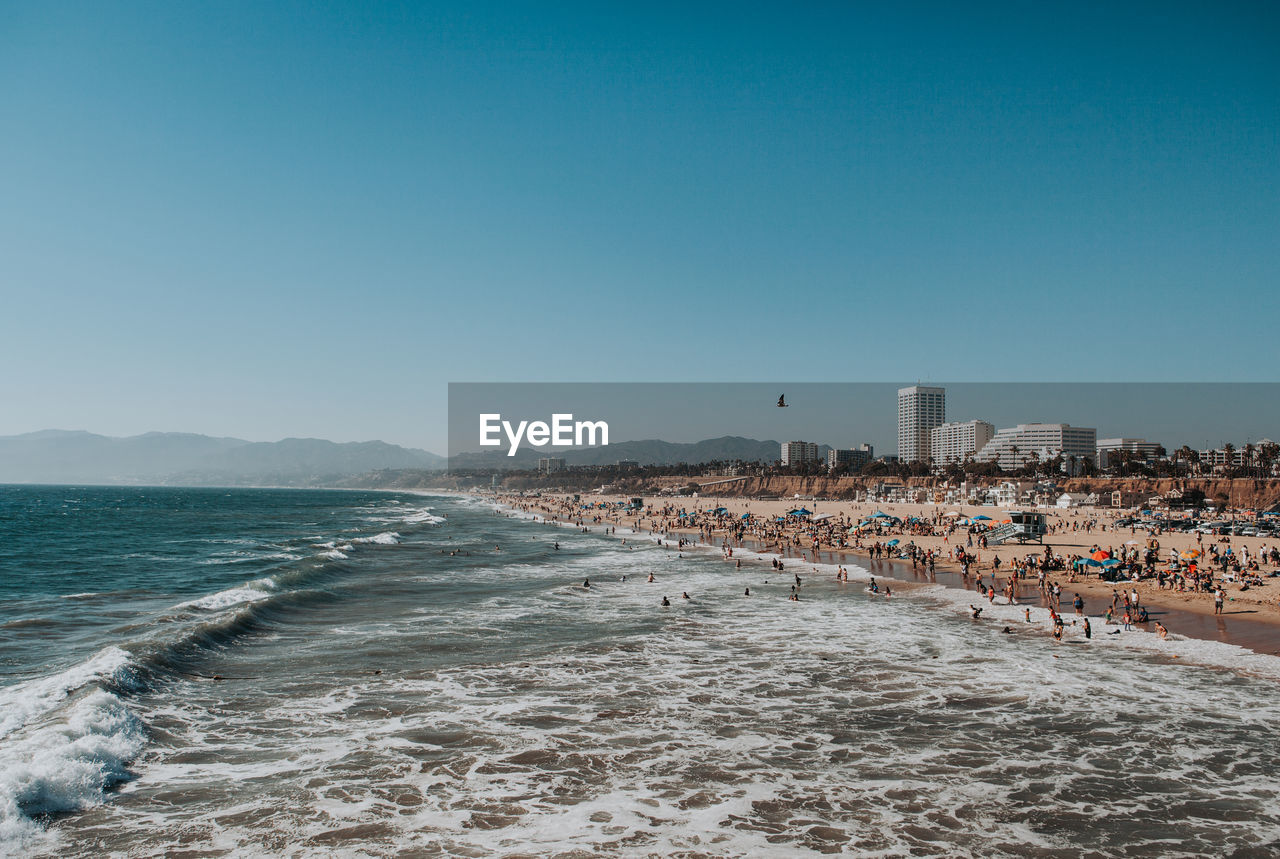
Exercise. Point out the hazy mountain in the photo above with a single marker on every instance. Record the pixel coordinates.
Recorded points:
(645, 452)
(62, 456)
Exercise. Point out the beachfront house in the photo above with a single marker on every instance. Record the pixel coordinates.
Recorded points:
(1006, 494)
(1077, 499)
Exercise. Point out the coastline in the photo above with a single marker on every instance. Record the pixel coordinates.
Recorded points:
(1250, 620)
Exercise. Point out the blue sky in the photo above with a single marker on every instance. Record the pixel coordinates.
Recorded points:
(306, 219)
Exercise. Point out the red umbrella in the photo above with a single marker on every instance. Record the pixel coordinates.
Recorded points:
(1101, 555)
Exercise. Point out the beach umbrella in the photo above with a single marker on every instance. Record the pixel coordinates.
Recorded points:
(1100, 555)
(879, 514)
(892, 543)
(1092, 563)
(1110, 562)
(746, 515)
(981, 518)
(1190, 554)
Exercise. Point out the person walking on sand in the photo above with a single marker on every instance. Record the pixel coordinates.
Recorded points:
(1218, 598)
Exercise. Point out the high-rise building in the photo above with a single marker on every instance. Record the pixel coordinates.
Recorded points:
(550, 464)
(853, 457)
(1139, 448)
(799, 452)
(1012, 447)
(920, 409)
(952, 442)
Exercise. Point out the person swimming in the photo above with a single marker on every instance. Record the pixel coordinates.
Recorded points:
(747, 592)
(586, 583)
(685, 595)
(651, 578)
(1088, 630)
(666, 601)
(976, 611)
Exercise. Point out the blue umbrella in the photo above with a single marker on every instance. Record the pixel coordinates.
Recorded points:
(892, 543)
(1110, 562)
(880, 515)
(982, 518)
(1092, 563)
(746, 515)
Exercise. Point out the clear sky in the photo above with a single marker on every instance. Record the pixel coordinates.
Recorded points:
(267, 220)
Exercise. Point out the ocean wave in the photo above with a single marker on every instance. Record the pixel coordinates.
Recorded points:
(66, 765)
(232, 596)
(333, 555)
(26, 701)
(386, 538)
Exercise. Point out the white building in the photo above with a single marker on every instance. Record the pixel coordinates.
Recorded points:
(1139, 447)
(920, 409)
(549, 464)
(1011, 448)
(952, 442)
(799, 452)
(853, 457)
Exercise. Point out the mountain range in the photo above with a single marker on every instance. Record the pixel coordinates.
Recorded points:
(644, 452)
(190, 459)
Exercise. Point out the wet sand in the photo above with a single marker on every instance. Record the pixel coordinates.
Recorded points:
(1245, 622)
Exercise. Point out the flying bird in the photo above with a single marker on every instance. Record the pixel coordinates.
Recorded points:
(782, 401)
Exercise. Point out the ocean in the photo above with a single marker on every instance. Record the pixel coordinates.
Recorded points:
(313, 673)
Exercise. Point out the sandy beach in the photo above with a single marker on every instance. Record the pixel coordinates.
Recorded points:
(1250, 616)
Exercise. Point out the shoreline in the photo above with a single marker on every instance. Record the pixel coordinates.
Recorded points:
(1249, 623)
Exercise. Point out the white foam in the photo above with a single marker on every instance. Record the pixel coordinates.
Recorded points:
(23, 702)
(253, 592)
(333, 555)
(66, 765)
(386, 538)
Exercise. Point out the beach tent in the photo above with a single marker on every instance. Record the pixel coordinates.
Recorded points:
(893, 542)
(800, 511)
